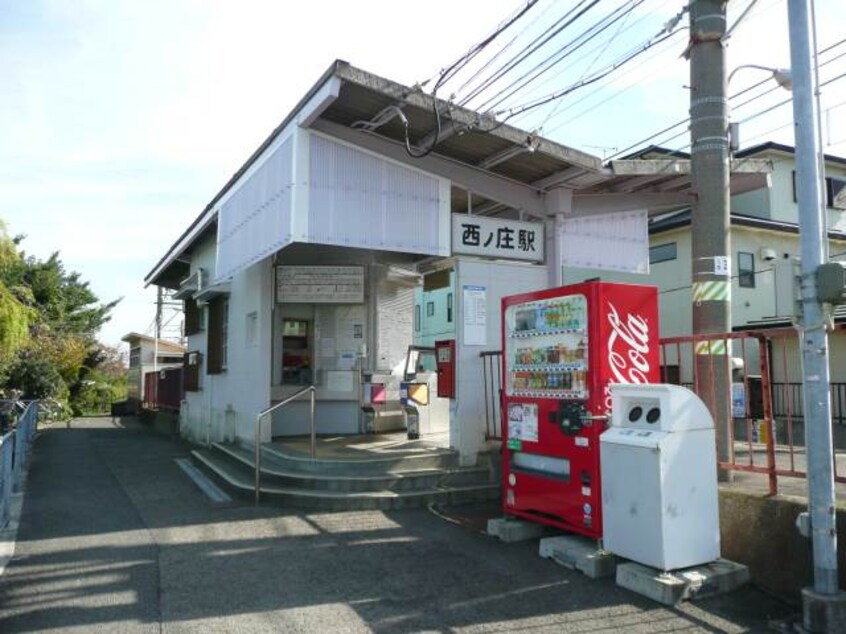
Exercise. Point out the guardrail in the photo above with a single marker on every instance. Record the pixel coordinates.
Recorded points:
(306, 390)
(14, 452)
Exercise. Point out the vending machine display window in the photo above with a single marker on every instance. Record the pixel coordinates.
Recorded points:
(296, 352)
(546, 348)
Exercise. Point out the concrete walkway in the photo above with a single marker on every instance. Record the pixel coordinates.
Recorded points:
(115, 538)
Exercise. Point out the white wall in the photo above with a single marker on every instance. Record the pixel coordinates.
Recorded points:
(467, 420)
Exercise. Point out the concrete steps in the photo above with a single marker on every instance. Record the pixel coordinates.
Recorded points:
(363, 484)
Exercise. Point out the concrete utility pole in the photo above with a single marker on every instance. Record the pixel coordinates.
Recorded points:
(824, 609)
(157, 333)
(710, 216)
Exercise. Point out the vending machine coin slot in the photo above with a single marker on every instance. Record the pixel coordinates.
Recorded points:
(569, 416)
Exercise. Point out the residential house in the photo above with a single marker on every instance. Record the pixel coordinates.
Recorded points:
(148, 355)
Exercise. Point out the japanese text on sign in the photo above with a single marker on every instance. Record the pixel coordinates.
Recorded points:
(320, 284)
(510, 239)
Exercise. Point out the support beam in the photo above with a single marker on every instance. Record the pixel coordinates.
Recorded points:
(586, 204)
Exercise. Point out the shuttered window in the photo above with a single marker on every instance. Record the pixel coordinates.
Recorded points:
(192, 317)
(217, 335)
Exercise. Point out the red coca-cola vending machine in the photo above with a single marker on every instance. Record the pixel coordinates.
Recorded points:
(562, 348)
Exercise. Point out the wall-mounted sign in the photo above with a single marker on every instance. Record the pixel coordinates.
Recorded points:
(611, 242)
(508, 239)
(320, 284)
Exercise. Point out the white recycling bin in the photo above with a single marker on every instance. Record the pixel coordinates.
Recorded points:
(658, 461)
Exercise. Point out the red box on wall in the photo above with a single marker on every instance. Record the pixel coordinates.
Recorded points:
(445, 357)
(562, 348)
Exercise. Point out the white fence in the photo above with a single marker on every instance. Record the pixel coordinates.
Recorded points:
(14, 452)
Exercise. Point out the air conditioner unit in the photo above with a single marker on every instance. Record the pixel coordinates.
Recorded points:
(191, 284)
(788, 292)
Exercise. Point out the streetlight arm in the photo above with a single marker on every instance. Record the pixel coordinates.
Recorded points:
(782, 75)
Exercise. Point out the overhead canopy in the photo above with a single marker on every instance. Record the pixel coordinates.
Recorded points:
(495, 169)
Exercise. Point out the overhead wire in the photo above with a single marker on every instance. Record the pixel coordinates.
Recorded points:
(511, 112)
(641, 142)
(477, 48)
(559, 110)
(560, 55)
(448, 72)
(532, 47)
(505, 47)
(599, 104)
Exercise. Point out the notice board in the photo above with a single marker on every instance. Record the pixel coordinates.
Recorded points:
(320, 284)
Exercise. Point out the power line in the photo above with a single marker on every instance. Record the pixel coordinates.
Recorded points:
(532, 47)
(561, 54)
(456, 66)
(586, 82)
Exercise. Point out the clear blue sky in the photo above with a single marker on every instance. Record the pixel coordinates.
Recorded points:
(119, 119)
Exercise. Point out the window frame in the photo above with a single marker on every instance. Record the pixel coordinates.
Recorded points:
(657, 260)
(745, 275)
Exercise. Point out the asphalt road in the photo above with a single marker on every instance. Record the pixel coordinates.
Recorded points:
(115, 538)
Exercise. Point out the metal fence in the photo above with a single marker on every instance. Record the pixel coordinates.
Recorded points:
(766, 431)
(14, 452)
(492, 384)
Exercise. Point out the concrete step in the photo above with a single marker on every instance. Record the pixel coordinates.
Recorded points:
(240, 480)
(283, 473)
(373, 462)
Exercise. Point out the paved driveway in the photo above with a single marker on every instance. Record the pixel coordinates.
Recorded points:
(115, 538)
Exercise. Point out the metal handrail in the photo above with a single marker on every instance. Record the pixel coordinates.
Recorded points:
(271, 409)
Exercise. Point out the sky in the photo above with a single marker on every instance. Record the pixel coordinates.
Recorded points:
(121, 119)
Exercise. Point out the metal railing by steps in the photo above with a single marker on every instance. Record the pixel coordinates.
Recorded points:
(310, 390)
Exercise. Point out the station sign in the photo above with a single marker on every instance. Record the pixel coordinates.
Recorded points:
(495, 238)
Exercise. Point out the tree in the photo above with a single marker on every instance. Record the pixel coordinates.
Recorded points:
(49, 319)
(14, 314)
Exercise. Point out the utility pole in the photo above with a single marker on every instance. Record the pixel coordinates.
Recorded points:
(157, 333)
(824, 606)
(710, 260)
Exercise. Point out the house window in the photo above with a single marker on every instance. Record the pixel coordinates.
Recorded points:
(449, 308)
(191, 371)
(835, 192)
(218, 335)
(417, 318)
(745, 270)
(430, 309)
(135, 357)
(662, 253)
(192, 317)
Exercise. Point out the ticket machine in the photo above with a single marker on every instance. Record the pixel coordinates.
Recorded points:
(426, 411)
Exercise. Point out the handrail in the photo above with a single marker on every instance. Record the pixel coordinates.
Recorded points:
(271, 409)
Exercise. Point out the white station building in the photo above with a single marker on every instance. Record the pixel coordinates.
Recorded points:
(373, 218)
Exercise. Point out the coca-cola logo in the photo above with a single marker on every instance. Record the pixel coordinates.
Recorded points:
(627, 349)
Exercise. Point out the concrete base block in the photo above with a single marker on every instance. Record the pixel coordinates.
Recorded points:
(670, 588)
(509, 529)
(823, 613)
(578, 553)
